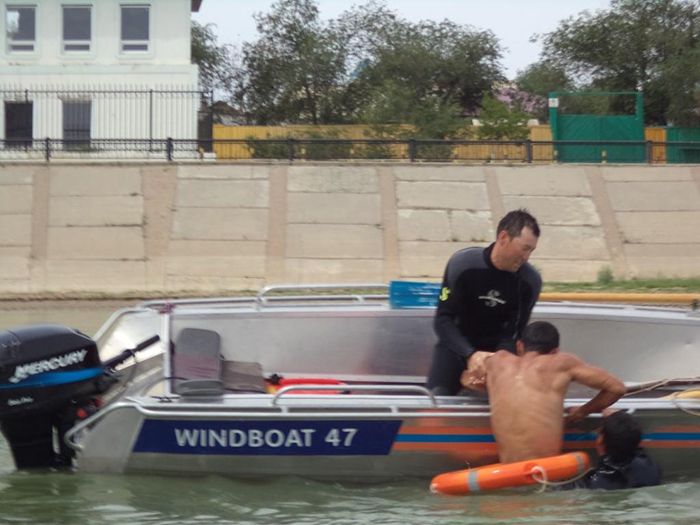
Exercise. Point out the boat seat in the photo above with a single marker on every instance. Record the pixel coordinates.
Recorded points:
(197, 363)
(243, 376)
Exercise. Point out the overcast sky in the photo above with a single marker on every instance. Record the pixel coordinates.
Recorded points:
(513, 21)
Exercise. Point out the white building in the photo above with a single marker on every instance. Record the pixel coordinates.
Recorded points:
(81, 70)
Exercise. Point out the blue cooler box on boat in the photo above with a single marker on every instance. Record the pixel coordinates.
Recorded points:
(413, 294)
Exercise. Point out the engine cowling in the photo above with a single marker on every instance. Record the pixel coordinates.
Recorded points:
(47, 373)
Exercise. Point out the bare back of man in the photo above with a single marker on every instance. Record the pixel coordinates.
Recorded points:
(526, 394)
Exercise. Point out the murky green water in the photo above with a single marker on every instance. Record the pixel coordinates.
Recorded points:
(75, 498)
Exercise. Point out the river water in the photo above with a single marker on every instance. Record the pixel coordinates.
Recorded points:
(74, 498)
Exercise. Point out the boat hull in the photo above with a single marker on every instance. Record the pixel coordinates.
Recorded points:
(360, 435)
(332, 438)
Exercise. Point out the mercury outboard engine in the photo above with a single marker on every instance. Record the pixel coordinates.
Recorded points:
(49, 376)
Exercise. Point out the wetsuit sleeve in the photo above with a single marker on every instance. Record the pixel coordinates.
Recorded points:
(445, 323)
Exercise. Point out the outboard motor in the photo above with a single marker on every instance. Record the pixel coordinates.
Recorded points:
(49, 374)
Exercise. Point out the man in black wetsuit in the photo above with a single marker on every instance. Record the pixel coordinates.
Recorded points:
(485, 301)
(622, 463)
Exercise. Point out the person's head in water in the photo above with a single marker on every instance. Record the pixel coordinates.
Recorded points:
(516, 238)
(541, 337)
(619, 437)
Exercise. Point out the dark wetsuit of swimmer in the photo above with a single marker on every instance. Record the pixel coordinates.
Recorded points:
(611, 474)
(480, 308)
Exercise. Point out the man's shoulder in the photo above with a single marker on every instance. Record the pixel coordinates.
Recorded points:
(472, 256)
(565, 357)
(529, 273)
(501, 362)
(561, 361)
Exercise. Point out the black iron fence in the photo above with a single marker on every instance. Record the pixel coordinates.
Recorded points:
(81, 117)
(413, 150)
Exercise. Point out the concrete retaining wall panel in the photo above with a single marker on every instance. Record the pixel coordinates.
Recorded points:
(15, 198)
(333, 208)
(442, 195)
(95, 180)
(334, 241)
(112, 228)
(220, 224)
(16, 230)
(96, 211)
(332, 179)
(654, 196)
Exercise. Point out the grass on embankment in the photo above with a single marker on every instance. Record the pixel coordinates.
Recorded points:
(604, 284)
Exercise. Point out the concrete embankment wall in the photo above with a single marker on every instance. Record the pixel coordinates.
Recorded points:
(218, 227)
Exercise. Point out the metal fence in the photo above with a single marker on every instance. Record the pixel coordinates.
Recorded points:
(81, 118)
(292, 150)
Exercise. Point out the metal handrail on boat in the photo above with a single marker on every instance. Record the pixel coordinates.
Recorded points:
(372, 388)
(68, 438)
(262, 297)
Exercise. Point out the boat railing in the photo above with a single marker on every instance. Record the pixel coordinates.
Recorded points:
(417, 389)
(357, 293)
(290, 292)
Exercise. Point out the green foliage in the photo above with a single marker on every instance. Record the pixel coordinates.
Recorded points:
(272, 148)
(500, 123)
(629, 285)
(428, 117)
(605, 275)
(648, 45)
(304, 146)
(453, 63)
(366, 66)
(293, 71)
(215, 62)
(323, 150)
(541, 78)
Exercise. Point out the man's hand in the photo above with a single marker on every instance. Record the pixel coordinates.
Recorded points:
(473, 382)
(574, 415)
(474, 376)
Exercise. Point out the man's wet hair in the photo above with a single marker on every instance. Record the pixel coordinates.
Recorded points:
(621, 436)
(514, 221)
(541, 337)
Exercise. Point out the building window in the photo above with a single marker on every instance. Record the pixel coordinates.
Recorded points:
(77, 28)
(18, 124)
(76, 124)
(135, 29)
(20, 25)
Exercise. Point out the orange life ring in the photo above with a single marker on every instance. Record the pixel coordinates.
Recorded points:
(503, 475)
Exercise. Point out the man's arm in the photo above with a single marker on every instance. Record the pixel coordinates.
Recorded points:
(452, 338)
(445, 323)
(610, 388)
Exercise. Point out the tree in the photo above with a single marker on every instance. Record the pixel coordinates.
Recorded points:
(499, 122)
(294, 71)
(368, 65)
(215, 62)
(456, 64)
(543, 77)
(648, 45)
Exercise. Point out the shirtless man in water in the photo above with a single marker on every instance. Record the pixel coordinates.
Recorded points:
(526, 394)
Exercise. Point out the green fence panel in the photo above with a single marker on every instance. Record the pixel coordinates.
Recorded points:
(586, 127)
(601, 128)
(683, 153)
